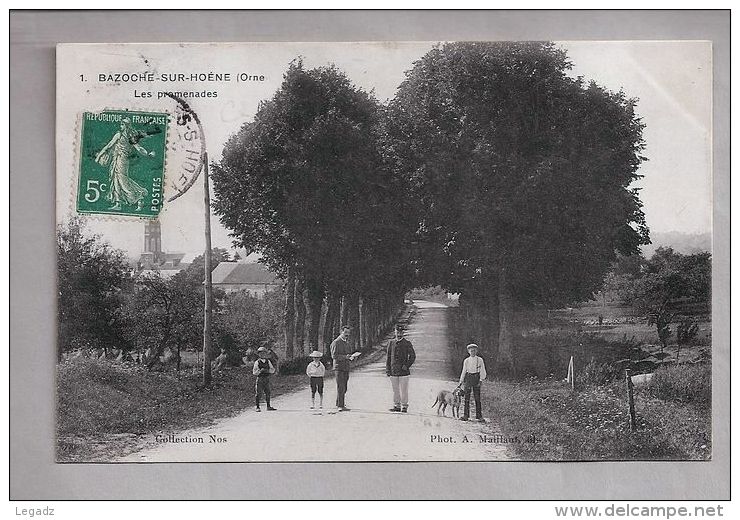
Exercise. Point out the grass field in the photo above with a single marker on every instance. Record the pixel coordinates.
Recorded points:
(592, 423)
(550, 338)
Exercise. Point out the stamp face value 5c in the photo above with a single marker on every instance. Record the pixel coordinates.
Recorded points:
(122, 162)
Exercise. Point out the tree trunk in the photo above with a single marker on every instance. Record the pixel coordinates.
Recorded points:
(345, 311)
(372, 322)
(154, 359)
(362, 319)
(332, 316)
(353, 318)
(386, 314)
(492, 325)
(314, 298)
(300, 316)
(372, 336)
(289, 314)
(337, 319)
(506, 324)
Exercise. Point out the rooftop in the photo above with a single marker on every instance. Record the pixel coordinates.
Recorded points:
(243, 273)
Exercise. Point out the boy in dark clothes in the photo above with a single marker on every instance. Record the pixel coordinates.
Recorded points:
(263, 369)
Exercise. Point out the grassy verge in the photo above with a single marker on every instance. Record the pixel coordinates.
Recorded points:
(107, 409)
(104, 408)
(592, 423)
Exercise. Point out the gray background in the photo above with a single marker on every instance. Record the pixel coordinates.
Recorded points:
(33, 473)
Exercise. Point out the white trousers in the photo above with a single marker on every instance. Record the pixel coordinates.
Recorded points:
(400, 390)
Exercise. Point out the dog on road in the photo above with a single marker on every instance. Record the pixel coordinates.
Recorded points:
(446, 398)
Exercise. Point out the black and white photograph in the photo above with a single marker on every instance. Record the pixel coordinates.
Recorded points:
(428, 251)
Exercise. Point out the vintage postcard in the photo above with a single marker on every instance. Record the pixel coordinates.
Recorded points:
(416, 251)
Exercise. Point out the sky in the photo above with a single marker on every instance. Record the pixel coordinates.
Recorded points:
(671, 80)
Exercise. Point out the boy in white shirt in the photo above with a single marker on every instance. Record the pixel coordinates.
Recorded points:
(316, 371)
(473, 372)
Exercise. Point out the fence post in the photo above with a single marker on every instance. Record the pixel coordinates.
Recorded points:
(571, 374)
(630, 400)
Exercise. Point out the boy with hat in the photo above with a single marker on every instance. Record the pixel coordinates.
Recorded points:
(316, 371)
(473, 372)
(263, 369)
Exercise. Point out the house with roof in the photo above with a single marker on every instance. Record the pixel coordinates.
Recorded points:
(242, 276)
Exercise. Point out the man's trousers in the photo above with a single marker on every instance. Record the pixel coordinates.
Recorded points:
(342, 379)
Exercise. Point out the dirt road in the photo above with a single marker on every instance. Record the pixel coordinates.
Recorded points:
(366, 433)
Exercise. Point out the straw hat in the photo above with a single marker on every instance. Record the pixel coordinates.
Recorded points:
(316, 354)
(472, 346)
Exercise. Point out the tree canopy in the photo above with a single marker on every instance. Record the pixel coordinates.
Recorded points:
(516, 166)
(668, 282)
(305, 184)
(670, 277)
(492, 172)
(92, 277)
(166, 312)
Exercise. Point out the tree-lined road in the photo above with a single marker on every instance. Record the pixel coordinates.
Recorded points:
(366, 433)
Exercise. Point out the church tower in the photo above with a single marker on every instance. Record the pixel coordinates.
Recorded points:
(153, 240)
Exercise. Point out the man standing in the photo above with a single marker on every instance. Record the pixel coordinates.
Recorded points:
(341, 353)
(398, 362)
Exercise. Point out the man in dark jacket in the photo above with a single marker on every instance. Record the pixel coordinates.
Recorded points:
(398, 361)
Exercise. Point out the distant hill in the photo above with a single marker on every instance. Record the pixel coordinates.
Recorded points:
(684, 243)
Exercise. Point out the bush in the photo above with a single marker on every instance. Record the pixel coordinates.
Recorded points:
(248, 321)
(597, 374)
(433, 294)
(683, 383)
(294, 366)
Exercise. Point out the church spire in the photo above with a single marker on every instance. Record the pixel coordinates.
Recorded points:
(153, 239)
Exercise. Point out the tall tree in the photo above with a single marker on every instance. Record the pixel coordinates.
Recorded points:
(165, 313)
(289, 313)
(305, 184)
(168, 312)
(521, 174)
(250, 320)
(300, 316)
(92, 280)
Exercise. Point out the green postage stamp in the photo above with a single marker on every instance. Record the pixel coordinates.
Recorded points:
(122, 162)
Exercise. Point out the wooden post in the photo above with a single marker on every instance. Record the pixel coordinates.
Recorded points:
(571, 374)
(207, 307)
(630, 400)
